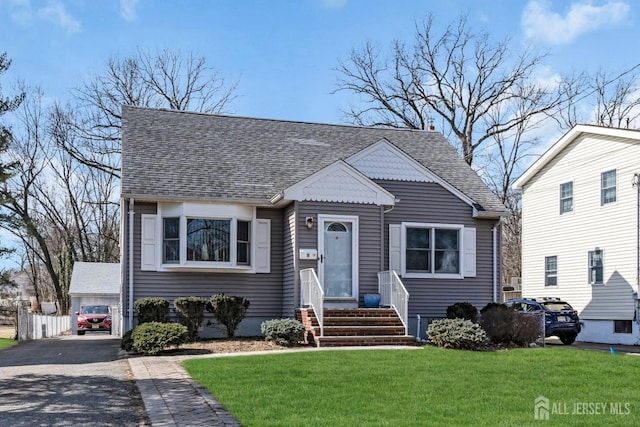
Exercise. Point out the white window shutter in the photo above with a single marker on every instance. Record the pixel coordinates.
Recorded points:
(469, 252)
(263, 246)
(148, 243)
(395, 247)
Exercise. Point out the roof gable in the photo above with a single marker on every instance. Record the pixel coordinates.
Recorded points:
(384, 161)
(341, 183)
(564, 142)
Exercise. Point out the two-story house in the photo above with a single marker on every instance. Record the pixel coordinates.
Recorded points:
(580, 229)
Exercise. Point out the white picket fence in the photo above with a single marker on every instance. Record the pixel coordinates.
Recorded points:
(34, 326)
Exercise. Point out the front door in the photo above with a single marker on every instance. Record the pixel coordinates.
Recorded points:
(338, 256)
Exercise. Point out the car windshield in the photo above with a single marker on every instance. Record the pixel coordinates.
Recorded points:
(557, 306)
(96, 309)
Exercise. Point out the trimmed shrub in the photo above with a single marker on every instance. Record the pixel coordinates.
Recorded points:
(127, 341)
(228, 310)
(456, 333)
(527, 328)
(152, 337)
(152, 310)
(498, 320)
(191, 314)
(283, 331)
(462, 310)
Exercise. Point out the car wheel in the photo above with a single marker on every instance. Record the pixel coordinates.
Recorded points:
(567, 339)
(80, 332)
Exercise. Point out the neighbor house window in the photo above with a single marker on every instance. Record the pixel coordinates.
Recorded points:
(432, 250)
(566, 197)
(608, 187)
(171, 240)
(595, 266)
(622, 327)
(551, 271)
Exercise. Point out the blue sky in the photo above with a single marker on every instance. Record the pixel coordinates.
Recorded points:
(283, 53)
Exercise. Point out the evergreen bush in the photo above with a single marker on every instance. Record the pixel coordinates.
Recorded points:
(152, 310)
(152, 337)
(462, 310)
(283, 331)
(456, 333)
(190, 312)
(228, 310)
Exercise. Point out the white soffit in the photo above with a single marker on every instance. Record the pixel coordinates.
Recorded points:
(383, 160)
(341, 183)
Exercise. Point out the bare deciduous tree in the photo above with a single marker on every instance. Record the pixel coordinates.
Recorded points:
(166, 79)
(459, 76)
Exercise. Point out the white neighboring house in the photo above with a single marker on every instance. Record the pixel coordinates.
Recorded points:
(580, 230)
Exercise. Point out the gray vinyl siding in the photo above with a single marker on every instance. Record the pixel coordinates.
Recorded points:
(370, 237)
(431, 203)
(290, 297)
(264, 291)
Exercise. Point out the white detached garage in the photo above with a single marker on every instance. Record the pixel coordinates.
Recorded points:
(95, 283)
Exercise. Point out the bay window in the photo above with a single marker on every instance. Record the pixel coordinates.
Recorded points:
(189, 236)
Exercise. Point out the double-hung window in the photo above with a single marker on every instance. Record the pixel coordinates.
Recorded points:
(596, 267)
(171, 240)
(608, 187)
(551, 271)
(432, 250)
(566, 197)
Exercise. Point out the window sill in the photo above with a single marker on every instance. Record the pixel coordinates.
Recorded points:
(431, 276)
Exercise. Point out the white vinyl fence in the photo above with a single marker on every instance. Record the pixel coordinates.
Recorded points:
(33, 326)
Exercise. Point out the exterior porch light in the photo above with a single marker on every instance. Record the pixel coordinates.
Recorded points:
(309, 221)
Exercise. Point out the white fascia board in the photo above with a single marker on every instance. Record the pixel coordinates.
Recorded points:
(415, 171)
(564, 141)
(339, 182)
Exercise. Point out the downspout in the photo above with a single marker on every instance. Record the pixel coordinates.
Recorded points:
(494, 231)
(131, 219)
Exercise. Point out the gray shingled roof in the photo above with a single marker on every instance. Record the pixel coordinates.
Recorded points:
(181, 155)
(95, 278)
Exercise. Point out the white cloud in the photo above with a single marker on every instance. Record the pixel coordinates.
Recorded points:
(56, 13)
(128, 9)
(541, 23)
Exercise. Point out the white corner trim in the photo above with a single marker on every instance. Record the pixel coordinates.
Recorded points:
(339, 182)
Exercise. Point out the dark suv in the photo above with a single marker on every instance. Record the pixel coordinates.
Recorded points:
(561, 319)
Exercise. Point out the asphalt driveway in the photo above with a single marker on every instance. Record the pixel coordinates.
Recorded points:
(68, 381)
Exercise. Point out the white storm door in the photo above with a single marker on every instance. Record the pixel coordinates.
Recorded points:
(338, 255)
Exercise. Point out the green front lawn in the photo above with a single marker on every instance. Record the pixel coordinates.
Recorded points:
(6, 343)
(429, 386)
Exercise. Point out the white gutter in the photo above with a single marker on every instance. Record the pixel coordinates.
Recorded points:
(131, 219)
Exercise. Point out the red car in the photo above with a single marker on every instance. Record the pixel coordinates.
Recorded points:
(94, 318)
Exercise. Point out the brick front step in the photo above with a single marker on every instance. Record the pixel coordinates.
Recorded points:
(361, 321)
(364, 341)
(362, 330)
(355, 327)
